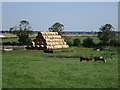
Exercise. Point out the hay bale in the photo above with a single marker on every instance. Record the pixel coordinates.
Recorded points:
(44, 37)
(47, 33)
(64, 43)
(42, 46)
(41, 33)
(49, 40)
(57, 40)
(58, 47)
(38, 46)
(32, 44)
(53, 37)
(49, 47)
(50, 43)
(65, 46)
(52, 33)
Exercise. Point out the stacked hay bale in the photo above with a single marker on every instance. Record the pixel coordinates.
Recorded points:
(49, 41)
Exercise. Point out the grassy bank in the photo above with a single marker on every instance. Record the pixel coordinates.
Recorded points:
(34, 69)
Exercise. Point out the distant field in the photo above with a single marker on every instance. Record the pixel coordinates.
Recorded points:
(12, 35)
(79, 34)
(34, 35)
(15, 39)
(34, 69)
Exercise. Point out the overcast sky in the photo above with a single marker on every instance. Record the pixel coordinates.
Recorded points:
(75, 16)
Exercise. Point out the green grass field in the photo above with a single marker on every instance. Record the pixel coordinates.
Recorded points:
(95, 39)
(34, 69)
(13, 39)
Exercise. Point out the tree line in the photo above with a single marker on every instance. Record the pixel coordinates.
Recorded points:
(106, 34)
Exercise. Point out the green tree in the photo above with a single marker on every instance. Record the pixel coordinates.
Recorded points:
(22, 31)
(76, 42)
(115, 42)
(88, 42)
(106, 34)
(57, 27)
(68, 41)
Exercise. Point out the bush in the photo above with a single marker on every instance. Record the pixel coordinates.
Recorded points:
(114, 42)
(13, 43)
(69, 41)
(88, 42)
(19, 44)
(76, 42)
(10, 43)
(24, 39)
(7, 43)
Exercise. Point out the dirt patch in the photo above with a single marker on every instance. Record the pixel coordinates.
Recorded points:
(79, 34)
(9, 35)
(17, 51)
(12, 35)
(34, 35)
(64, 56)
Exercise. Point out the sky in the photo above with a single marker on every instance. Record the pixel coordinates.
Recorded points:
(119, 17)
(75, 16)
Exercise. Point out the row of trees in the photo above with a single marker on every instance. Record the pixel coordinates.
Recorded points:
(106, 33)
(24, 30)
(88, 42)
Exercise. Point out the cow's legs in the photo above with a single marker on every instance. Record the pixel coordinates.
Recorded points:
(81, 60)
(88, 59)
(95, 60)
(104, 61)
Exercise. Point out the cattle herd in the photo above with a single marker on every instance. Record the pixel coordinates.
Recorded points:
(95, 59)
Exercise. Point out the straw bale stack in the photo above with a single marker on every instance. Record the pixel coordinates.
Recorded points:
(49, 41)
(32, 44)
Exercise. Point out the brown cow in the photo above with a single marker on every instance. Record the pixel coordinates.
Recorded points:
(86, 58)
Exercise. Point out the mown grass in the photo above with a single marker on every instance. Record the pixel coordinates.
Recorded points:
(34, 69)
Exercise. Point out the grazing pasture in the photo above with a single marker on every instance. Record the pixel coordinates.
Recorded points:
(35, 69)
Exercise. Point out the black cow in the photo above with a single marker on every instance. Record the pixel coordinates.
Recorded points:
(99, 59)
(49, 51)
